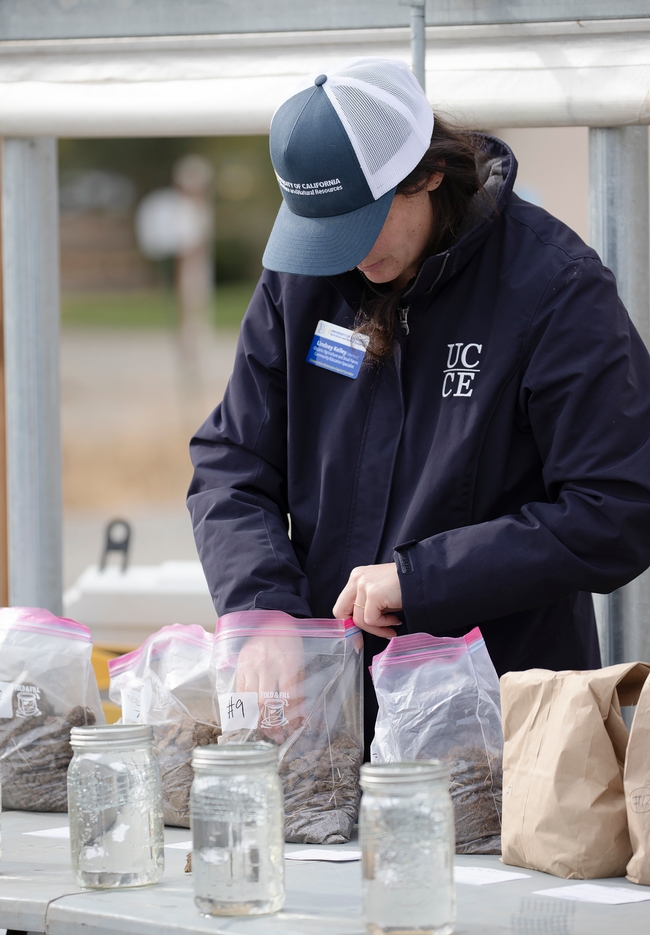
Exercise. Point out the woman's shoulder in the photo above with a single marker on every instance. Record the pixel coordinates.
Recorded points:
(288, 288)
(534, 229)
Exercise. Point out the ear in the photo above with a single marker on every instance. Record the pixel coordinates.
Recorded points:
(434, 181)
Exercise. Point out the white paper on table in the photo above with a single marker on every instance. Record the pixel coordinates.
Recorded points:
(482, 876)
(322, 853)
(51, 833)
(182, 845)
(592, 893)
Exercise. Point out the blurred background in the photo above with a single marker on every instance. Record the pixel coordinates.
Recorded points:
(161, 246)
(148, 337)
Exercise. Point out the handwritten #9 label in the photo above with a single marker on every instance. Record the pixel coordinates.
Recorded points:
(238, 710)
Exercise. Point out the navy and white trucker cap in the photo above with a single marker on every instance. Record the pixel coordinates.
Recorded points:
(339, 146)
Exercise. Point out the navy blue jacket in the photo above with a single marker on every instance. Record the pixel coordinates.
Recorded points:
(502, 456)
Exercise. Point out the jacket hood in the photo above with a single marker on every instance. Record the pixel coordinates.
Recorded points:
(498, 176)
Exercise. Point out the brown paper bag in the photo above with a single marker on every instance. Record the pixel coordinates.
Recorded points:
(563, 757)
(637, 790)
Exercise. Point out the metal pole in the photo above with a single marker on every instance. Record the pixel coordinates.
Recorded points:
(418, 42)
(618, 220)
(31, 309)
(4, 558)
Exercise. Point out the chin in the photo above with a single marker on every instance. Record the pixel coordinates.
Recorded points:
(378, 276)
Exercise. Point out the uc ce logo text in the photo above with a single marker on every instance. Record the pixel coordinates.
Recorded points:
(462, 366)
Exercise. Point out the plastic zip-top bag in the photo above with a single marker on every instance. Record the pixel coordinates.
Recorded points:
(439, 699)
(298, 684)
(47, 686)
(168, 683)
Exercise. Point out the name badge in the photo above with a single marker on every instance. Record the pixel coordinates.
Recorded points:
(337, 349)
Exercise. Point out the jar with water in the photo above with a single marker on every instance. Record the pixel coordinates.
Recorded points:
(115, 806)
(237, 817)
(406, 831)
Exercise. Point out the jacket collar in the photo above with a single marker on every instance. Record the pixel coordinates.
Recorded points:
(486, 207)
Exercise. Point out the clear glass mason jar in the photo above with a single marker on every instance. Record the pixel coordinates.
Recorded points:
(237, 817)
(115, 806)
(406, 831)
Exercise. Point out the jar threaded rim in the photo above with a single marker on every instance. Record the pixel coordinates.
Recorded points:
(213, 755)
(405, 772)
(100, 734)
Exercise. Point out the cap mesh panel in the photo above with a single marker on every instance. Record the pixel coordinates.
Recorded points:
(382, 76)
(380, 130)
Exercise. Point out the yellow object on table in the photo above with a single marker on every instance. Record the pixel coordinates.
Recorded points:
(100, 659)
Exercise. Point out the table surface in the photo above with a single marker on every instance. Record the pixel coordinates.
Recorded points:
(38, 894)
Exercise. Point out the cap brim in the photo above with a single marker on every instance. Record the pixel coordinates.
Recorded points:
(324, 246)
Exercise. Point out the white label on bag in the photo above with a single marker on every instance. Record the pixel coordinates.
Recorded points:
(136, 703)
(239, 710)
(6, 699)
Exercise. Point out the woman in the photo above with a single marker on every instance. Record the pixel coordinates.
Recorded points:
(485, 461)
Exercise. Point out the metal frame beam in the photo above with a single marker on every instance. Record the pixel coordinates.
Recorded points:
(55, 19)
(594, 73)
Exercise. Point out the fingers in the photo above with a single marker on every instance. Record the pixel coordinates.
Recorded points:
(344, 606)
(359, 609)
(290, 677)
(372, 593)
(382, 592)
(386, 633)
(274, 669)
(247, 677)
(385, 628)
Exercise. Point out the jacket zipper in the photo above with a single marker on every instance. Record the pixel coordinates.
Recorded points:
(404, 318)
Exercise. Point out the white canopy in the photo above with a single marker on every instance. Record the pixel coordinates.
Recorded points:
(587, 73)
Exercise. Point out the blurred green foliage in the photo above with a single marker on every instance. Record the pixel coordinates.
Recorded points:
(155, 309)
(246, 195)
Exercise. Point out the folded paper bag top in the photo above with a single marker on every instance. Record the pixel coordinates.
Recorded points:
(564, 751)
(637, 790)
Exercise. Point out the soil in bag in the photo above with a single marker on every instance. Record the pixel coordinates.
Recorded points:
(47, 687)
(168, 683)
(439, 699)
(316, 718)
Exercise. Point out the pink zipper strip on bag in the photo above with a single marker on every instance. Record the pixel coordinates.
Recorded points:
(183, 633)
(277, 623)
(127, 661)
(39, 620)
(418, 647)
(179, 632)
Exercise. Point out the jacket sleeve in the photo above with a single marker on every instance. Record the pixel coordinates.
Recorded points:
(585, 391)
(238, 495)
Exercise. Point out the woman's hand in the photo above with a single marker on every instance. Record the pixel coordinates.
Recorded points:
(270, 665)
(371, 597)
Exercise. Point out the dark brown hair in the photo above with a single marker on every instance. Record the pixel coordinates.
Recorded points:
(458, 155)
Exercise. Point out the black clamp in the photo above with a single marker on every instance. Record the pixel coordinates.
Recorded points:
(118, 539)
